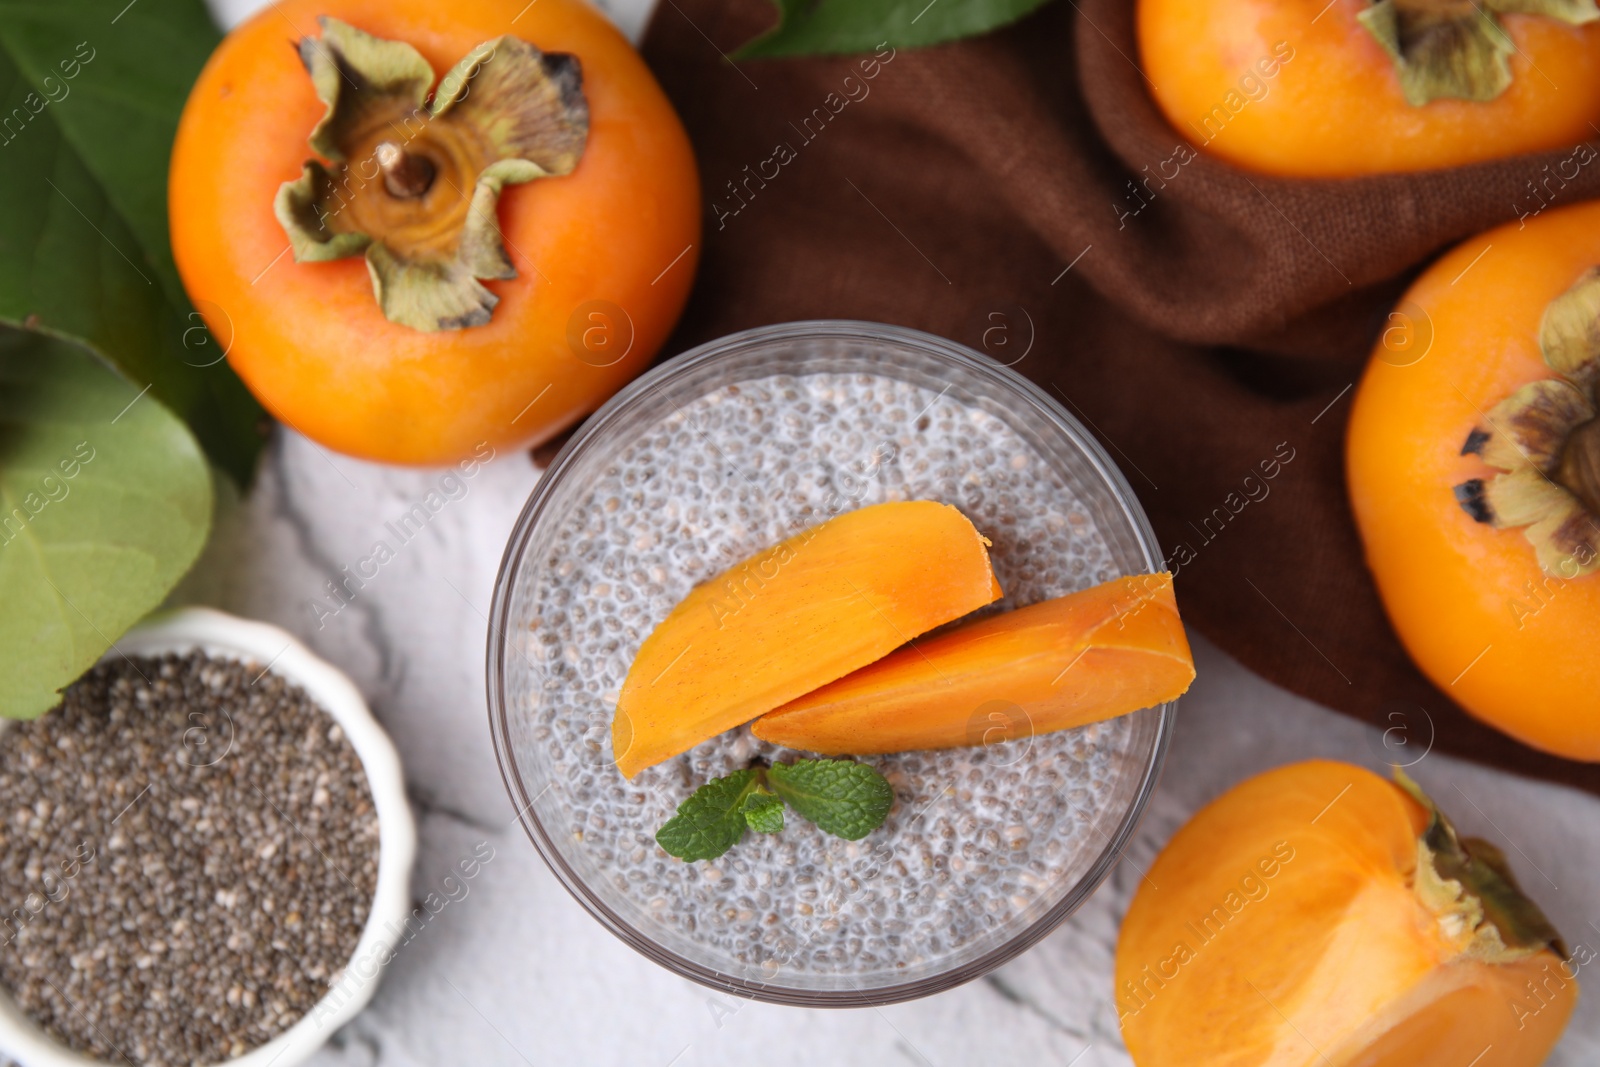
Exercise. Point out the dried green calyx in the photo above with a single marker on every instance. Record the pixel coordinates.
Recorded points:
(1545, 437)
(413, 180)
(1468, 885)
(1457, 48)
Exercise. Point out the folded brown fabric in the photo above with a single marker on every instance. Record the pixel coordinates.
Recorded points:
(1020, 192)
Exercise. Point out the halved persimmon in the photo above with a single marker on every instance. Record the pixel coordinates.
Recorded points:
(1319, 916)
(1102, 652)
(1335, 88)
(1474, 474)
(419, 229)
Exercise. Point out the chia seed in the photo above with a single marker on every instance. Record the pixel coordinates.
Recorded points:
(188, 854)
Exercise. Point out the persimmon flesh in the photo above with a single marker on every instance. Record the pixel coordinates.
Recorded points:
(1104, 651)
(1472, 604)
(1302, 88)
(1303, 919)
(603, 256)
(796, 616)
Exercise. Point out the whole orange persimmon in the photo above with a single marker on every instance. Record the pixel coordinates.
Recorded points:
(1336, 88)
(421, 228)
(1474, 472)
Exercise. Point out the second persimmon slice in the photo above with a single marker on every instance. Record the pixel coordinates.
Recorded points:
(800, 614)
(1093, 655)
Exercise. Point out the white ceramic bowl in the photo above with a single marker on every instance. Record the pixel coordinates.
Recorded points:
(228, 637)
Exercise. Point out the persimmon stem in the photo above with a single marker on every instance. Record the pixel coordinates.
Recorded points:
(427, 259)
(405, 176)
(1579, 469)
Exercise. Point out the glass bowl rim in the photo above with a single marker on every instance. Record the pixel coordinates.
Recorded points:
(594, 428)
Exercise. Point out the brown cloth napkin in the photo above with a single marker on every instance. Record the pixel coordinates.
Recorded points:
(1207, 324)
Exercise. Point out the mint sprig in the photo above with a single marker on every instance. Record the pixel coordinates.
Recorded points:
(842, 797)
(711, 821)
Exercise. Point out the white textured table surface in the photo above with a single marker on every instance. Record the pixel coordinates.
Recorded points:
(516, 972)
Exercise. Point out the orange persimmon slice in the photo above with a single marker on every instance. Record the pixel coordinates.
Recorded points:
(811, 609)
(1093, 655)
(1319, 916)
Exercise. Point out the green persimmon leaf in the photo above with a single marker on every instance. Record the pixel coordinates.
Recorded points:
(810, 27)
(105, 501)
(842, 797)
(90, 95)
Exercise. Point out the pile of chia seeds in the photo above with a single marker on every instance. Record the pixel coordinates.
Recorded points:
(188, 853)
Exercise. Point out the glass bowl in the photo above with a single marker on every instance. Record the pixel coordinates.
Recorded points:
(699, 464)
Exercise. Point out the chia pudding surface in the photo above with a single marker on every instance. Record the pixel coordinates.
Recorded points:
(981, 841)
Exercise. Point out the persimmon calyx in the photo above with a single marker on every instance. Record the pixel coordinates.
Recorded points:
(1468, 886)
(412, 181)
(1457, 48)
(1545, 437)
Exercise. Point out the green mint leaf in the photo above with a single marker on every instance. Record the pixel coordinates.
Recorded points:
(764, 812)
(807, 27)
(712, 820)
(843, 798)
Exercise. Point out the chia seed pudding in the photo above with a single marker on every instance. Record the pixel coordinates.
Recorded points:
(188, 854)
(981, 841)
